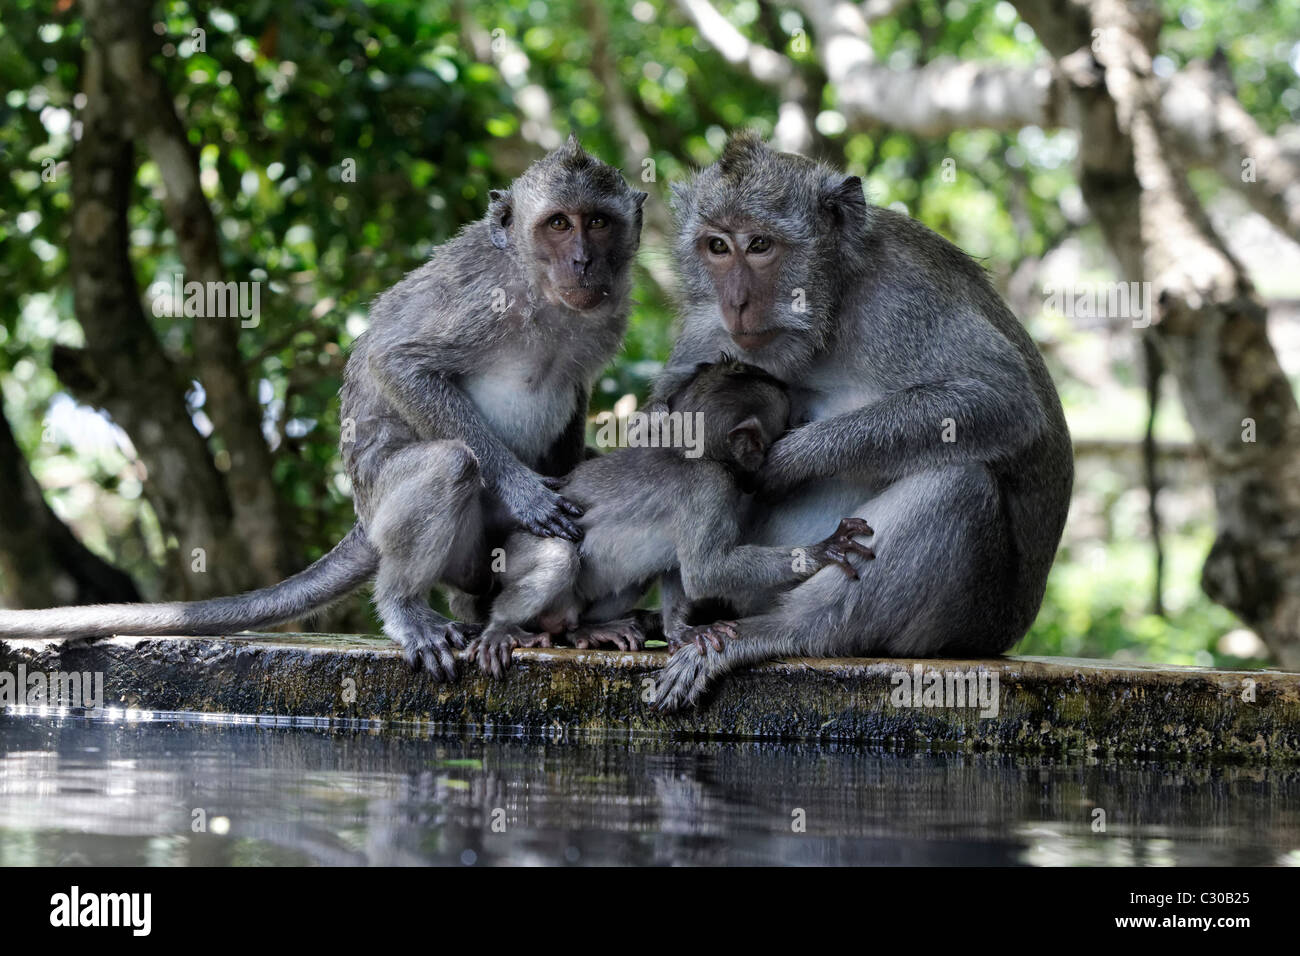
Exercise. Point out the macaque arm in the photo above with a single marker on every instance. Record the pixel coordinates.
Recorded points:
(749, 567)
(438, 409)
(907, 431)
(714, 565)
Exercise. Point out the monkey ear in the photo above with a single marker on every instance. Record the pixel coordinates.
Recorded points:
(500, 213)
(638, 219)
(747, 444)
(844, 200)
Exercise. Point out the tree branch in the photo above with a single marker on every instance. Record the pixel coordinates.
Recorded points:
(932, 100)
(766, 66)
(794, 131)
(1204, 120)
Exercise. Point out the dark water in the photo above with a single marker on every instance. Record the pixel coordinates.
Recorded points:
(103, 791)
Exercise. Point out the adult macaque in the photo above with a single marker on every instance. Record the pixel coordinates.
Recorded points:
(648, 510)
(470, 386)
(917, 399)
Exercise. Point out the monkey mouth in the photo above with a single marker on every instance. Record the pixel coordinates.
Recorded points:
(753, 341)
(580, 299)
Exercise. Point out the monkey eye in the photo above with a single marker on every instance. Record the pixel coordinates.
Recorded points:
(760, 244)
(597, 222)
(718, 246)
(560, 223)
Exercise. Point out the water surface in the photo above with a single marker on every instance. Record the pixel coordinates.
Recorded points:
(197, 790)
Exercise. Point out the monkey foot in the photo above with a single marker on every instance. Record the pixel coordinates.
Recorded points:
(682, 681)
(703, 637)
(624, 634)
(491, 650)
(427, 640)
(527, 639)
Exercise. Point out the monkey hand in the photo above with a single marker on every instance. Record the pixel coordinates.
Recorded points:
(541, 511)
(703, 637)
(837, 548)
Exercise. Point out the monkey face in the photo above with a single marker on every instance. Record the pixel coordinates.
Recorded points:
(765, 243)
(580, 251)
(745, 263)
(574, 224)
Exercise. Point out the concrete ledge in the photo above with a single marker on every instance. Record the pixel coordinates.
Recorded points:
(1052, 705)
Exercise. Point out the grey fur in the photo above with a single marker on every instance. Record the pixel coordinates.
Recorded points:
(903, 331)
(344, 569)
(649, 511)
(457, 408)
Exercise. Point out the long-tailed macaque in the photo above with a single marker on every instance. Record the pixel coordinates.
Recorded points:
(918, 400)
(468, 390)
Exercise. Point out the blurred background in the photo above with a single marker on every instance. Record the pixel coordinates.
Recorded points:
(322, 148)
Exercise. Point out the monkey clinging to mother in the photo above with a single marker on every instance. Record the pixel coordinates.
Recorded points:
(918, 428)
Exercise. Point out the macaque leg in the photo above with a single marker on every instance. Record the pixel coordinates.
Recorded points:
(427, 526)
(536, 586)
(938, 585)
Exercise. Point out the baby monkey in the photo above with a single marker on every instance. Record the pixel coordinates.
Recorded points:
(650, 510)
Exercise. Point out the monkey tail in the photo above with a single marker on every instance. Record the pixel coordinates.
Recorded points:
(347, 566)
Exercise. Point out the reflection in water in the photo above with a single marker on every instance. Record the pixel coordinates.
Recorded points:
(98, 791)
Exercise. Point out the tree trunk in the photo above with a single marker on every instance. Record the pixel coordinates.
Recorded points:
(122, 29)
(1210, 326)
(123, 369)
